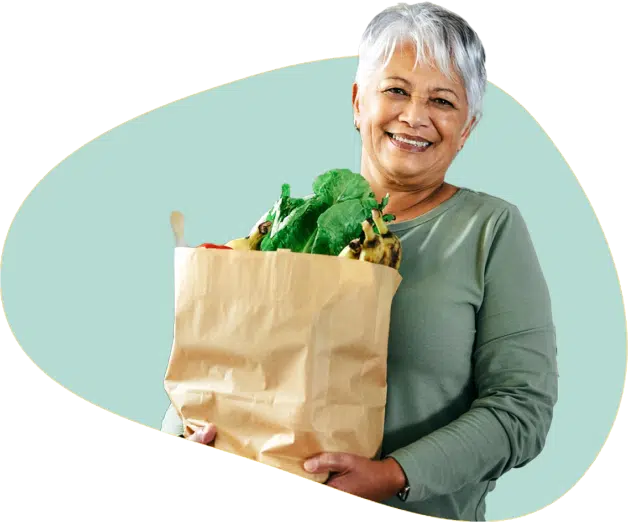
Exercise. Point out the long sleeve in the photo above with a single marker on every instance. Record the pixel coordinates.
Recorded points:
(172, 423)
(515, 373)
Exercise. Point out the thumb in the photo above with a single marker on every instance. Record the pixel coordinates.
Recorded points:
(329, 462)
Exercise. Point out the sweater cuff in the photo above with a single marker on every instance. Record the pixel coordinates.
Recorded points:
(412, 470)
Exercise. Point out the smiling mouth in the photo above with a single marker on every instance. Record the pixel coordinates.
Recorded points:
(409, 144)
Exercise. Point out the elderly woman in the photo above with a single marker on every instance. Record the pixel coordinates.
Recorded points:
(472, 378)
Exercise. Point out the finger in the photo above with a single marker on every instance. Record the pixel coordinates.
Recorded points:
(329, 462)
(204, 435)
(196, 434)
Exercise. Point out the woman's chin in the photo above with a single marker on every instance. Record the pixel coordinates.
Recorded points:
(405, 174)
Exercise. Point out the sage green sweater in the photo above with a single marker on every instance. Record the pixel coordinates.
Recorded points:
(472, 373)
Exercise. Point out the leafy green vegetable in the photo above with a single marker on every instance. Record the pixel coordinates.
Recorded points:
(324, 222)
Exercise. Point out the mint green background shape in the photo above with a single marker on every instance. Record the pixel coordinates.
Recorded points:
(87, 268)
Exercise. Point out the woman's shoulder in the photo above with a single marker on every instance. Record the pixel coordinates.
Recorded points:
(490, 212)
(486, 201)
(493, 208)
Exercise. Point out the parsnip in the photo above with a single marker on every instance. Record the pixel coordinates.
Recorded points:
(391, 245)
(373, 246)
(352, 250)
(383, 248)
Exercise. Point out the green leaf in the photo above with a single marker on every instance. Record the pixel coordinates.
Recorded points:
(295, 230)
(337, 226)
(279, 213)
(384, 202)
(340, 185)
(326, 221)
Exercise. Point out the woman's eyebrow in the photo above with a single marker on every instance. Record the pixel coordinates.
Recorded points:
(398, 78)
(437, 89)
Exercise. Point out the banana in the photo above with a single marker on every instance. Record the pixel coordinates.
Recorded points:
(352, 250)
(252, 241)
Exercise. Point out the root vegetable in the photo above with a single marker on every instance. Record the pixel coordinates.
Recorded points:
(391, 244)
(352, 250)
(373, 246)
(383, 248)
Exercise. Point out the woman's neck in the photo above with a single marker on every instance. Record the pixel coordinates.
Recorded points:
(409, 203)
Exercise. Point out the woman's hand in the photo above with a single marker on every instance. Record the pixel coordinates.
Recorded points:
(205, 435)
(371, 479)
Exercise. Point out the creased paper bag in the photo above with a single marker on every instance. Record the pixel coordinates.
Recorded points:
(284, 352)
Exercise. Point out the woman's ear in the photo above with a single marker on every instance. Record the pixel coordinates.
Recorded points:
(355, 100)
(466, 132)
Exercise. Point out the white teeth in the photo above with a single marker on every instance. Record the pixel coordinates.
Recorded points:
(411, 142)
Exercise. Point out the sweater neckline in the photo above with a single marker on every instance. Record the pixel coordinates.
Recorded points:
(430, 214)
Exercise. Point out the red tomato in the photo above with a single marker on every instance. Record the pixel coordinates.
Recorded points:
(212, 245)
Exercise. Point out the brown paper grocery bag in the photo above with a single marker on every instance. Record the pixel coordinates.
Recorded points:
(284, 352)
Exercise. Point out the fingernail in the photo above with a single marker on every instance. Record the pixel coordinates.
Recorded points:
(310, 465)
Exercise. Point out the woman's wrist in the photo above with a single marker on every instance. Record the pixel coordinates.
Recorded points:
(395, 475)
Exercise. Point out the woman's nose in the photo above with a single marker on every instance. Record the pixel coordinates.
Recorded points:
(415, 113)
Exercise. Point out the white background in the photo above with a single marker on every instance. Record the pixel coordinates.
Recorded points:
(73, 70)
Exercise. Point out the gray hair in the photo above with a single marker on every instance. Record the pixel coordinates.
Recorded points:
(446, 37)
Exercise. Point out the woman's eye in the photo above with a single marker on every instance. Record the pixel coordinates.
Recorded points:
(442, 101)
(396, 90)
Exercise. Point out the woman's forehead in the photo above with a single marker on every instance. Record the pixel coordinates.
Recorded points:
(405, 55)
(403, 64)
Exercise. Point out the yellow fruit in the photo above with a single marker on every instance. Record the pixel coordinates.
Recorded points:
(253, 241)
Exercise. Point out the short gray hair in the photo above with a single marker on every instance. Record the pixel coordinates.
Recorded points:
(446, 37)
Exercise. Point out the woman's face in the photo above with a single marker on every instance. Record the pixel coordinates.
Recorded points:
(412, 122)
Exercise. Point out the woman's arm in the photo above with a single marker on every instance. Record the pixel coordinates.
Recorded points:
(515, 372)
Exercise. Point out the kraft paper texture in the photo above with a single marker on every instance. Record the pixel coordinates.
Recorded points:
(284, 352)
